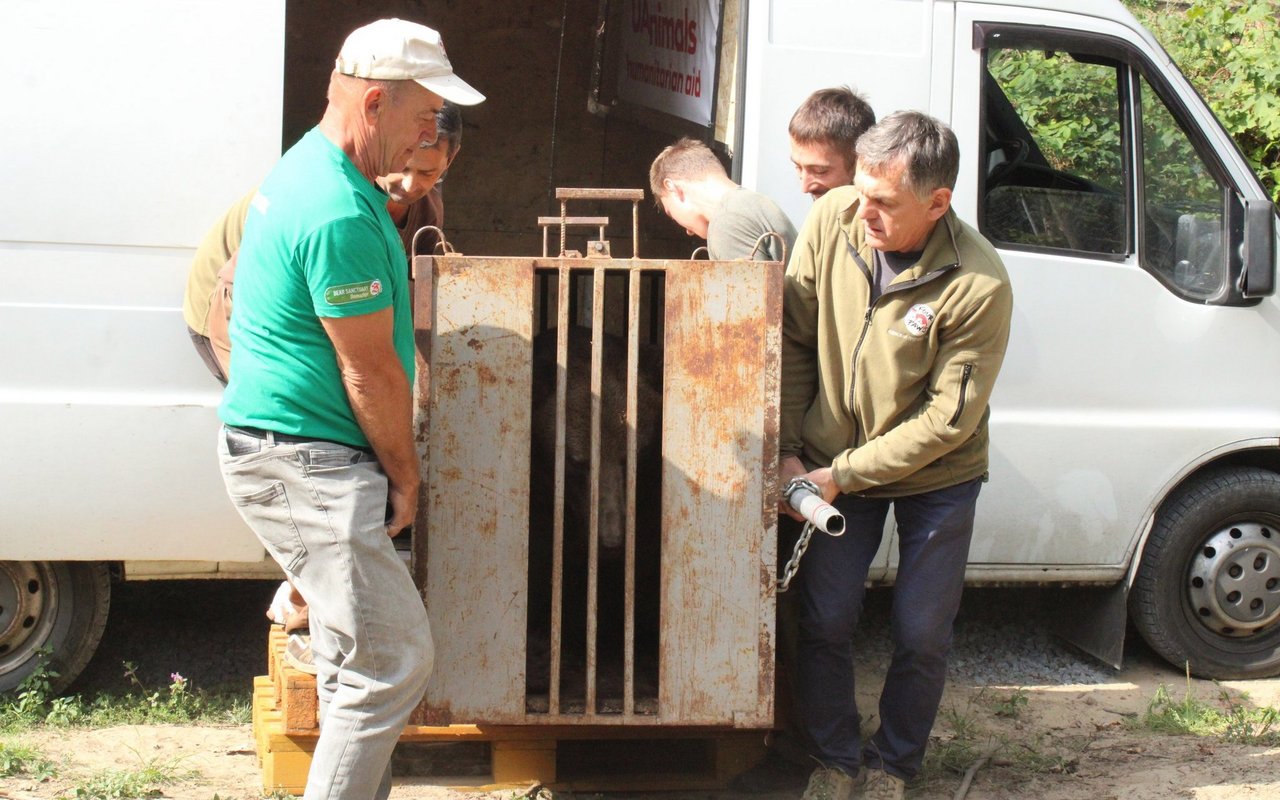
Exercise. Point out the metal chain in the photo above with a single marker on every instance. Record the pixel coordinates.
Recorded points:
(793, 565)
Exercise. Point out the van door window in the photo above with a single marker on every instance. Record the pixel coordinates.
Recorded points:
(1086, 153)
(1183, 205)
(1054, 173)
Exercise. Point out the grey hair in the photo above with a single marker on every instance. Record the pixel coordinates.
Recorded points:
(926, 145)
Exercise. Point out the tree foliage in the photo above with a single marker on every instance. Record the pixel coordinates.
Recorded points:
(1228, 50)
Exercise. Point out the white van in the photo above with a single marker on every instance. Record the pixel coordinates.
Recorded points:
(130, 128)
(1136, 434)
(1134, 426)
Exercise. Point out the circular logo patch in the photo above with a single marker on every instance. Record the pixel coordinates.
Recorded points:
(375, 288)
(918, 319)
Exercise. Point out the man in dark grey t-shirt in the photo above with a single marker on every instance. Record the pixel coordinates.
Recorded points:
(691, 186)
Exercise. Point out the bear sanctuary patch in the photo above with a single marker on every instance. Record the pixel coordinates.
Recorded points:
(352, 292)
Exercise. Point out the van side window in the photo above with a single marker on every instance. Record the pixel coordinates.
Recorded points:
(1089, 152)
(1184, 205)
(1055, 142)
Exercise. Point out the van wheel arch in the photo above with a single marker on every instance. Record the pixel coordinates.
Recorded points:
(58, 607)
(1207, 591)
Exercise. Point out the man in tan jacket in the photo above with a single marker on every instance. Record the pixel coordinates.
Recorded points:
(895, 321)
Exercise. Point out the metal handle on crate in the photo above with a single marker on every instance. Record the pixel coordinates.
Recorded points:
(781, 242)
(633, 195)
(442, 243)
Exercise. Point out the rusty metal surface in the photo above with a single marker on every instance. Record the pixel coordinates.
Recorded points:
(721, 329)
(557, 568)
(474, 394)
(715, 652)
(547, 223)
(634, 195)
(564, 195)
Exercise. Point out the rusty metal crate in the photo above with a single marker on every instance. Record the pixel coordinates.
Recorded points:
(718, 324)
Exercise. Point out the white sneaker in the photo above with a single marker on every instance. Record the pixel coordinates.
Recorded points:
(297, 653)
(280, 607)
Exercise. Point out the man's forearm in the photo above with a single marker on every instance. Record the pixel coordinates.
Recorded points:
(383, 407)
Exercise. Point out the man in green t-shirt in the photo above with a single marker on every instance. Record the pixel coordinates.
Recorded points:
(414, 201)
(317, 446)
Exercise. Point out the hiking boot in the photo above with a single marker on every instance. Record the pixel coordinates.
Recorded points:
(880, 785)
(829, 784)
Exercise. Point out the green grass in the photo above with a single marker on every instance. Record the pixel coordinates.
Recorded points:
(1012, 706)
(1228, 719)
(1018, 756)
(20, 760)
(32, 705)
(146, 781)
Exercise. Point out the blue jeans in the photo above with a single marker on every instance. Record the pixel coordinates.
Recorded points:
(320, 510)
(934, 529)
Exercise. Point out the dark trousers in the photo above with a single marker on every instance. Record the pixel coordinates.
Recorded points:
(934, 529)
(205, 348)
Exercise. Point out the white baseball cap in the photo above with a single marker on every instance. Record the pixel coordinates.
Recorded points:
(399, 50)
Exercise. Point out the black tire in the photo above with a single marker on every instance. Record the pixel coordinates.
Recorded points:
(58, 606)
(1207, 594)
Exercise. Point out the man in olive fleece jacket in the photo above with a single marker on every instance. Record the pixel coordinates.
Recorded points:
(895, 322)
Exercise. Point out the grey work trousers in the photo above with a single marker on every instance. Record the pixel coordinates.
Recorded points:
(320, 510)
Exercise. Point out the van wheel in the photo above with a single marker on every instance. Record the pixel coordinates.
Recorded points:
(1207, 594)
(55, 606)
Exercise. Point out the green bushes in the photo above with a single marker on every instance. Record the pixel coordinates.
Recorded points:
(1227, 49)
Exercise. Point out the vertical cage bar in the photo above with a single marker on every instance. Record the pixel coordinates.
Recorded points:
(629, 559)
(635, 229)
(557, 547)
(593, 539)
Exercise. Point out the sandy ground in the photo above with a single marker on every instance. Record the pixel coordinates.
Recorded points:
(1064, 742)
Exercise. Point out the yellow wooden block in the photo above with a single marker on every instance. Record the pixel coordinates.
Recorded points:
(278, 667)
(287, 771)
(523, 762)
(279, 742)
(267, 721)
(275, 649)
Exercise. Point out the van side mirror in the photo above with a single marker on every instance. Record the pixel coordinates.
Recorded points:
(1252, 250)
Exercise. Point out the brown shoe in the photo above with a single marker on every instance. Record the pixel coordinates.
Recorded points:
(827, 783)
(876, 784)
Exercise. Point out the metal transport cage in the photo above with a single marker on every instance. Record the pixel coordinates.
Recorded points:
(596, 541)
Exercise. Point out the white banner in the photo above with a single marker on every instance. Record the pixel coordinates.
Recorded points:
(669, 56)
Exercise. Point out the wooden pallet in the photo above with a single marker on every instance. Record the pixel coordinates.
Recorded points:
(571, 758)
